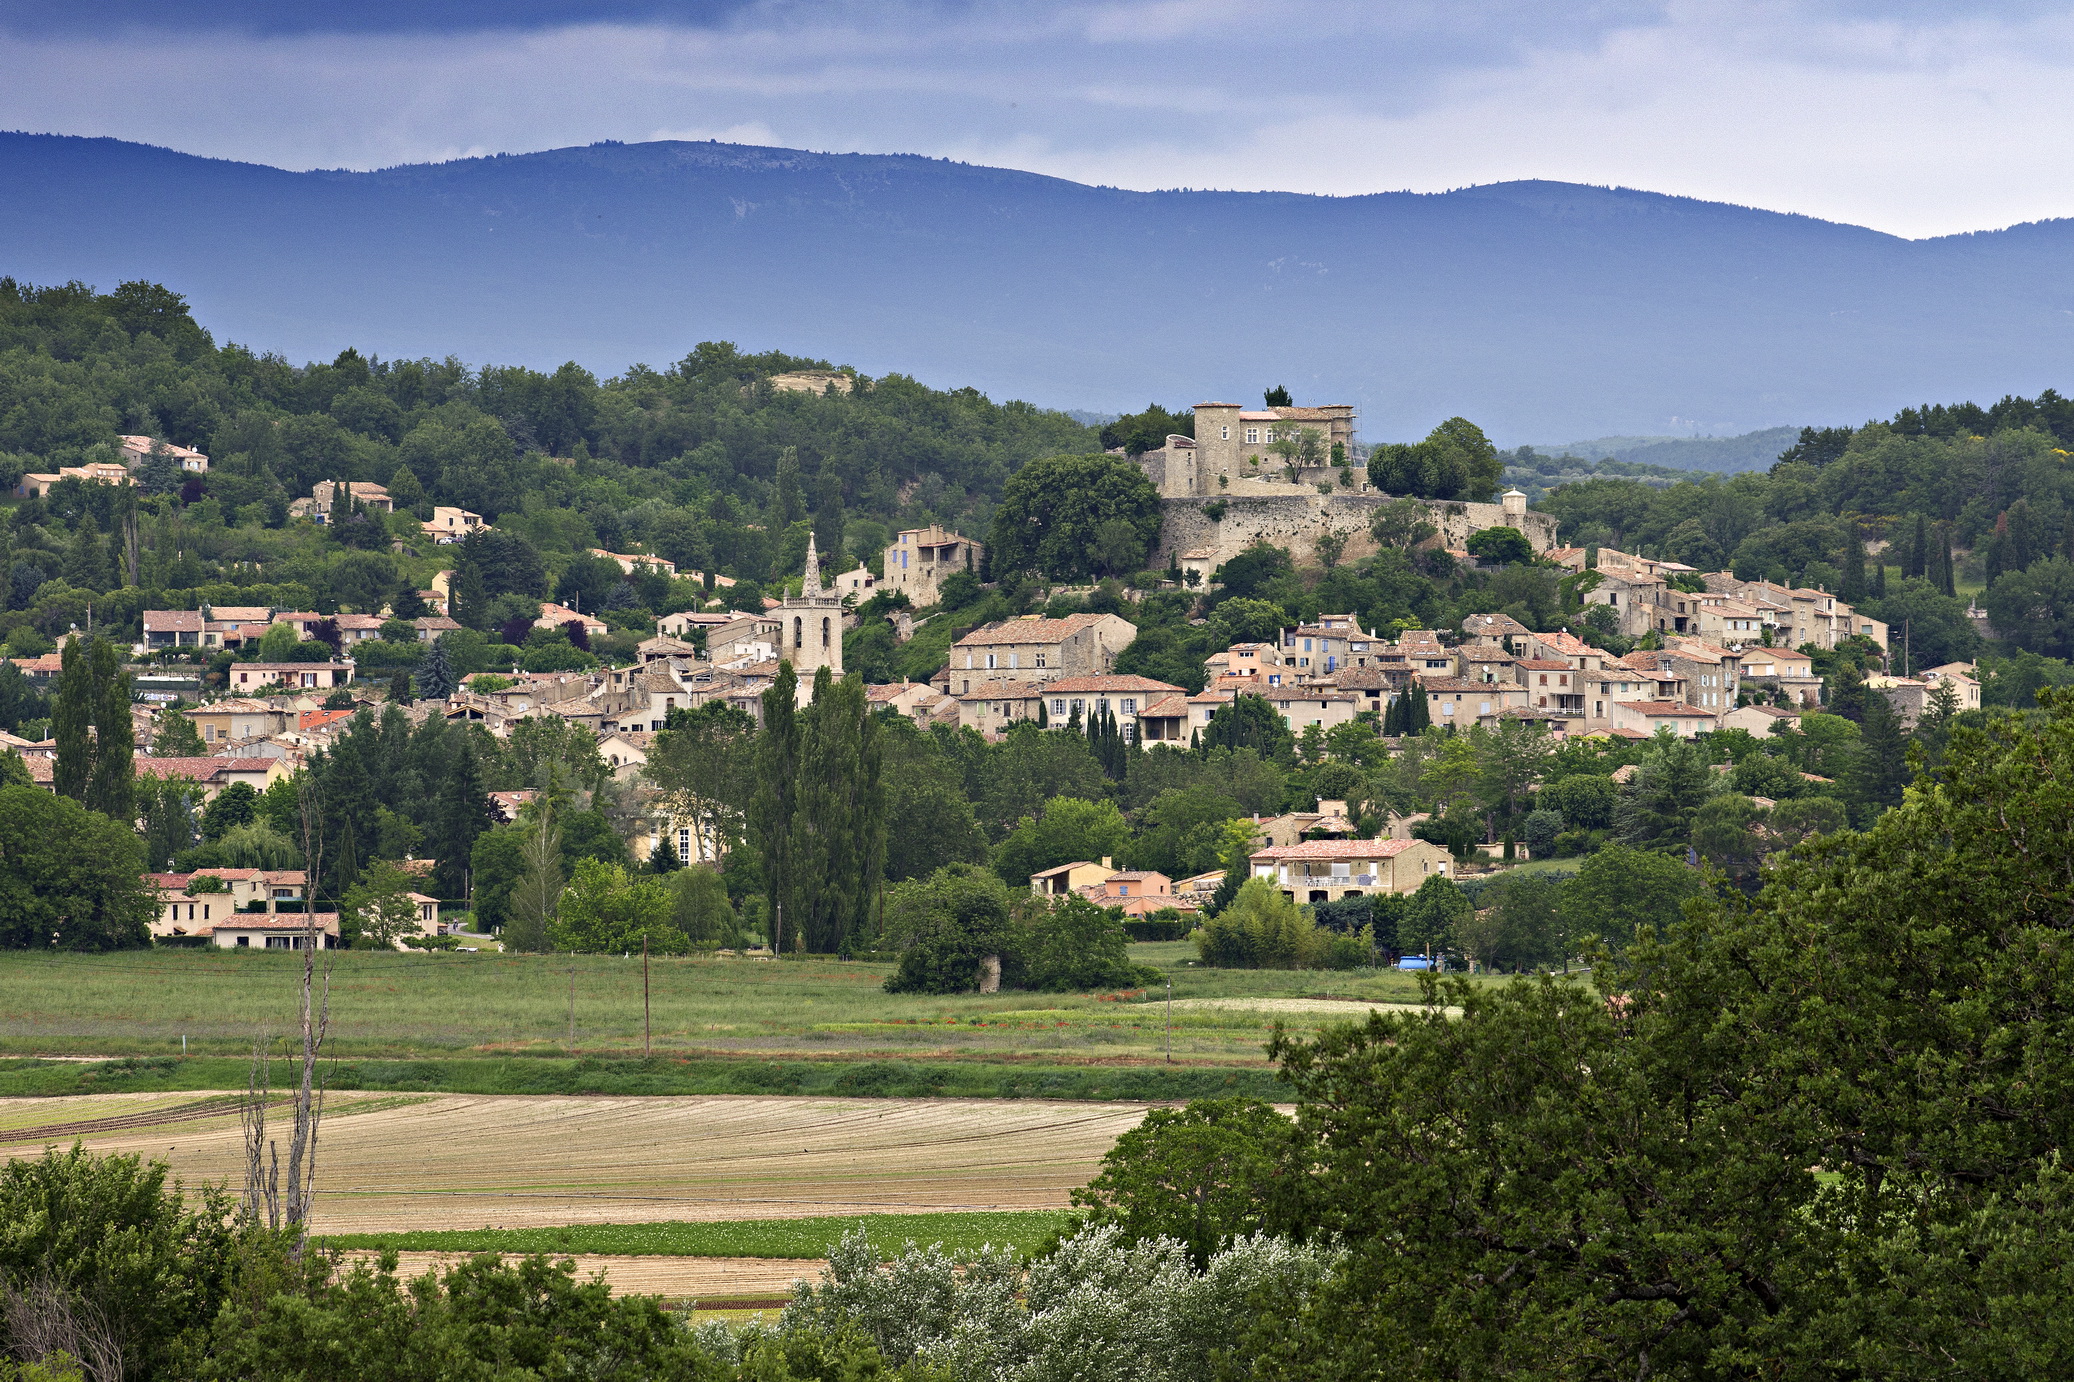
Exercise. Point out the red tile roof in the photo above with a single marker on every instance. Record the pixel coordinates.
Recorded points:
(1337, 849)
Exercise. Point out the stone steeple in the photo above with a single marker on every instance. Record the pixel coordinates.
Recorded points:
(811, 586)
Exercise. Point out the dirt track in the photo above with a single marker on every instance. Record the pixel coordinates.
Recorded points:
(469, 1161)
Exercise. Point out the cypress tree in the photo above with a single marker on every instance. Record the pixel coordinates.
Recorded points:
(1918, 549)
(776, 804)
(1946, 581)
(1853, 564)
(1879, 581)
(464, 813)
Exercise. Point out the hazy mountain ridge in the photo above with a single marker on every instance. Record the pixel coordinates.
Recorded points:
(1536, 308)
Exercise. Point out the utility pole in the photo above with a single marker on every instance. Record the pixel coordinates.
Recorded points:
(645, 1047)
(572, 1006)
(1170, 1019)
(778, 935)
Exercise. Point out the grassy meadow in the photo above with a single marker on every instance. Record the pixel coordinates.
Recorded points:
(497, 1023)
(1023, 1230)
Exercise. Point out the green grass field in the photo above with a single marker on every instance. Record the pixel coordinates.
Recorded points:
(1023, 1230)
(406, 1021)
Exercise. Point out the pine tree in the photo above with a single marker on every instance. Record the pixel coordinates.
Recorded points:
(436, 680)
(663, 858)
(1880, 770)
(463, 813)
(399, 687)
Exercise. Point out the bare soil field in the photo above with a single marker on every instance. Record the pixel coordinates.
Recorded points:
(471, 1161)
(752, 1282)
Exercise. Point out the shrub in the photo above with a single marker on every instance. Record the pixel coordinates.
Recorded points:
(1261, 930)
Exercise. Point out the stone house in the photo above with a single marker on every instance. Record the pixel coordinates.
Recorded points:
(222, 722)
(1455, 701)
(1328, 870)
(137, 450)
(918, 560)
(1067, 879)
(449, 525)
(1647, 717)
(1038, 648)
(1335, 641)
(284, 932)
(246, 677)
(1911, 696)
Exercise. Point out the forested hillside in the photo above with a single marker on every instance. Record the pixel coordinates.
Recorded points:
(701, 460)
(1913, 517)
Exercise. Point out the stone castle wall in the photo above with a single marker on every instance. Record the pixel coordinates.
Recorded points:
(1297, 517)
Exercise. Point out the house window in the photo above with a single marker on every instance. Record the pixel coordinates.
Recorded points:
(1252, 434)
(1544, 682)
(1011, 662)
(1130, 706)
(990, 662)
(244, 940)
(1079, 706)
(1040, 659)
(1058, 707)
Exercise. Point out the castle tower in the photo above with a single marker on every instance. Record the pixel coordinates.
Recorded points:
(811, 626)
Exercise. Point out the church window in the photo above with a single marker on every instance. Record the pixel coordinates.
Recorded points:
(824, 634)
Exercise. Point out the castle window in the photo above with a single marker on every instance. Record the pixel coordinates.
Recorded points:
(1252, 434)
(1040, 659)
(1224, 434)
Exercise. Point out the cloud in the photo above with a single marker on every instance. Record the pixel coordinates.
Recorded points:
(1911, 116)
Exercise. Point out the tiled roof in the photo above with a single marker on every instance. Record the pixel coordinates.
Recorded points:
(1112, 684)
(1031, 630)
(1543, 664)
(1337, 849)
(172, 621)
(1667, 710)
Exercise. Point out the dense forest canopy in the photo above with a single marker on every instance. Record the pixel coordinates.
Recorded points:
(691, 459)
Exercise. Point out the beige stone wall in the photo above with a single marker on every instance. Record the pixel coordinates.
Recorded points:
(1295, 517)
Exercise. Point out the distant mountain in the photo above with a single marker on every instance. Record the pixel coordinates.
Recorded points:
(1534, 308)
(1751, 451)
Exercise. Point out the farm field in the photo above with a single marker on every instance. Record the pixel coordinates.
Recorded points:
(411, 1006)
(450, 1162)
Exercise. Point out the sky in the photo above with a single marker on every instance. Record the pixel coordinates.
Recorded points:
(1913, 118)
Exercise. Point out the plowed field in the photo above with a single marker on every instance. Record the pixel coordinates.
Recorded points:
(468, 1161)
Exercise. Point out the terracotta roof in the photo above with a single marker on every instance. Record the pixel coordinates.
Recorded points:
(1667, 710)
(172, 621)
(1337, 849)
(1484, 655)
(1500, 624)
(1031, 630)
(277, 921)
(1115, 684)
(1543, 664)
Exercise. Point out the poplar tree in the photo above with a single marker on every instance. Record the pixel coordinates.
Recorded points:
(90, 719)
